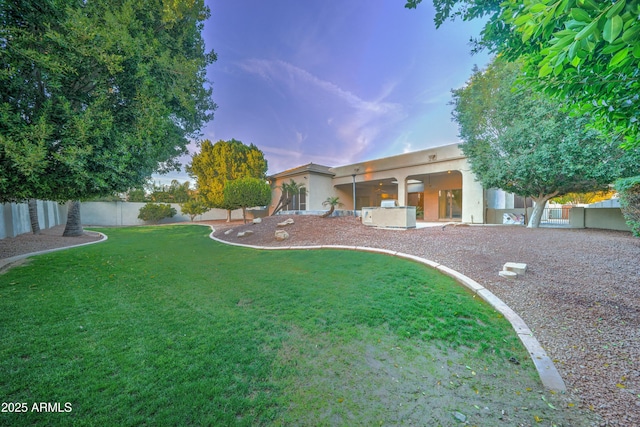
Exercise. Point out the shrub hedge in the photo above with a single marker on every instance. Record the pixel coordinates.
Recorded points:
(629, 191)
(154, 212)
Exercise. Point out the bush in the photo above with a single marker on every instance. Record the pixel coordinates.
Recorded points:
(193, 208)
(246, 193)
(154, 212)
(629, 191)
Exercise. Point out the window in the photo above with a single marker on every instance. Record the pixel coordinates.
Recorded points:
(518, 201)
(302, 205)
(297, 202)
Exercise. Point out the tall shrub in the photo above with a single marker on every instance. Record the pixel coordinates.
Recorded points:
(629, 190)
(154, 212)
(194, 207)
(246, 193)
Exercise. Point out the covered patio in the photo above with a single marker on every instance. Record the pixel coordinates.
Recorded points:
(438, 182)
(436, 196)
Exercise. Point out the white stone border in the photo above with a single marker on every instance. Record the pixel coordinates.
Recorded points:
(549, 375)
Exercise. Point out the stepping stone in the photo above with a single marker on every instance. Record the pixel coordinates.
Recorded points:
(516, 267)
(508, 274)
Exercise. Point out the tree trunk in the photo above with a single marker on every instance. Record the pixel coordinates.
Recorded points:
(33, 216)
(228, 215)
(284, 201)
(538, 209)
(74, 224)
(244, 214)
(328, 213)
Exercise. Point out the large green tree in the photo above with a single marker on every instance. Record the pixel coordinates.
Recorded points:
(97, 94)
(224, 161)
(586, 53)
(522, 142)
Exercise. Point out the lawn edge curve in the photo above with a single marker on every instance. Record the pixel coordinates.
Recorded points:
(547, 371)
(6, 263)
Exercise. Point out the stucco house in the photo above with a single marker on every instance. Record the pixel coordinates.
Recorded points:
(437, 181)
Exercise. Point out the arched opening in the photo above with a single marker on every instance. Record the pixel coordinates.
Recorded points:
(436, 196)
(368, 193)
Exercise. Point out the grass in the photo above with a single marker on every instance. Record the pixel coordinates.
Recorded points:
(163, 326)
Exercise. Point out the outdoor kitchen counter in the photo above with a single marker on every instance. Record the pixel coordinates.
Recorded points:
(390, 217)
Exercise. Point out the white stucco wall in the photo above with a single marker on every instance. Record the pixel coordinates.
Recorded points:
(126, 213)
(14, 218)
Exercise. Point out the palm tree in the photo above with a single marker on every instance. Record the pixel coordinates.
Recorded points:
(287, 190)
(332, 202)
(73, 227)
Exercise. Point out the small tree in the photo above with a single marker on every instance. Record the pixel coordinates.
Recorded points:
(332, 202)
(172, 193)
(246, 192)
(194, 207)
(154, 212)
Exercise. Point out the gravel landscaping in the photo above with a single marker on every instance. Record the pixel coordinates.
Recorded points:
(580, 295)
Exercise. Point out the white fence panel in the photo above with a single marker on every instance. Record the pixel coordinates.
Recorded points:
(15, 217)
(126, 213)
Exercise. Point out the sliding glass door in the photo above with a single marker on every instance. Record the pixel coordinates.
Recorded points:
(450, 204)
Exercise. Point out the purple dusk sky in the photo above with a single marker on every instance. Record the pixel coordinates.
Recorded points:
(334, 81)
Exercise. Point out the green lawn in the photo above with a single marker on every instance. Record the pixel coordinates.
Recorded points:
(163, 326)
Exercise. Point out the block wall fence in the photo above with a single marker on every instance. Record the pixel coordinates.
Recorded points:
(14, 219)
(15, 216)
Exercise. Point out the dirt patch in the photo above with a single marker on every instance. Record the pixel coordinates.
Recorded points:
(380, 380)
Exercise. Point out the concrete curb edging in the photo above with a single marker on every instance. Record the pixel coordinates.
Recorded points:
(547, 371)
(8, 261)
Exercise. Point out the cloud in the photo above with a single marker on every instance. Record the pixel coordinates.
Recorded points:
(354, 123)
(433, 96)
(300, 137)
(278, 70)
(281, 158)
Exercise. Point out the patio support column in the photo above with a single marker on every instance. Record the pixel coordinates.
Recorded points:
(354, 195)
(472, 199)
(402, 190)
